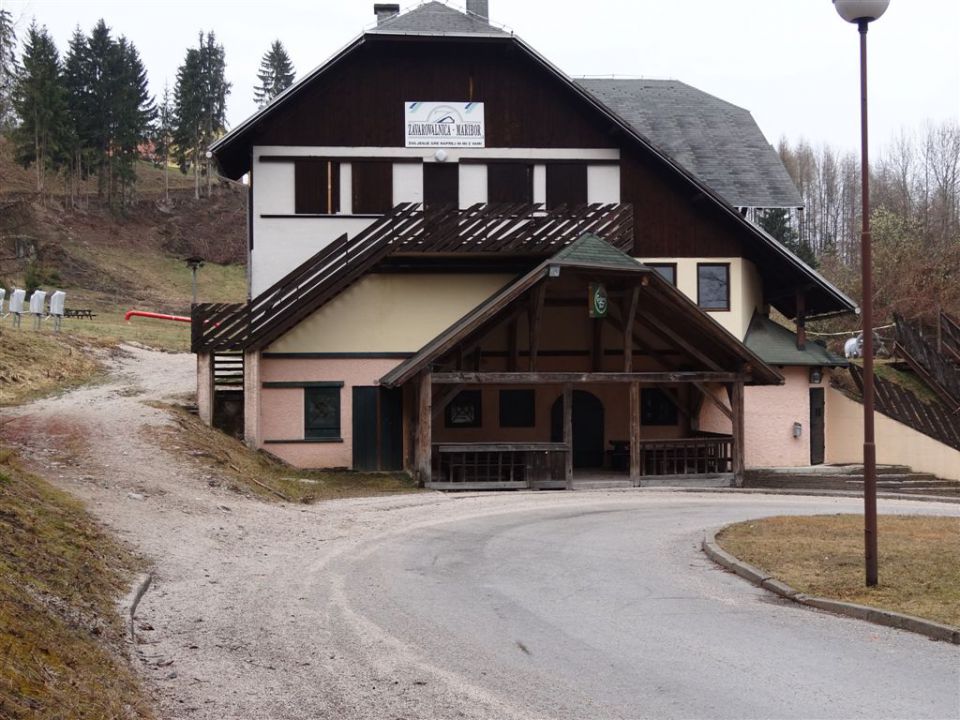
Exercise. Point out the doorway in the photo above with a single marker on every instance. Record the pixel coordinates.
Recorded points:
(817, 443)
(377, 428)
(587, 428)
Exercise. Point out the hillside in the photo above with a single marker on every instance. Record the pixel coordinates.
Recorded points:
(112, 262)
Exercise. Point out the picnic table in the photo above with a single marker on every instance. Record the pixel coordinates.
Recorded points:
(81, 313)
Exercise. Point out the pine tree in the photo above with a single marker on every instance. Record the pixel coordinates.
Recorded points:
(200, 104)
(39, 99)
(276, 74)
(8, 69)
(776, 221)
(77, 82)
(162, 137)
(132, 111)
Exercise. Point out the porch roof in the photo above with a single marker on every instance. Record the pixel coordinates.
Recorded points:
(662, 304)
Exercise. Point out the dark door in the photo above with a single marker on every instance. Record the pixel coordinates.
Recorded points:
(587, 428)
(816, 426)
(377, 429)
(391, 429)
(365, 428)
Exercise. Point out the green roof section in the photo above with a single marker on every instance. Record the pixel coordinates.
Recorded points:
(776, 345)
(590, 249)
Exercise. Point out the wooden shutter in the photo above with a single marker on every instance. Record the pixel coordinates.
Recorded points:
(441, 184)
(316, 186)
(509, 183)
(566, 184)
(372, 187)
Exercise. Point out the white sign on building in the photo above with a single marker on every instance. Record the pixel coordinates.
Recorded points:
(444, 124)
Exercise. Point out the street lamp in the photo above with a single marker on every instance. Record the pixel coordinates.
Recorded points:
(862, 13)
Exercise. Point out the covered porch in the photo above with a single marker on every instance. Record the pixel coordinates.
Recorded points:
(590, 363)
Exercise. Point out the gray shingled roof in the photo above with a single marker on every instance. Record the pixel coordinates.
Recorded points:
(435, 18)
(718, 142)
(776, 345)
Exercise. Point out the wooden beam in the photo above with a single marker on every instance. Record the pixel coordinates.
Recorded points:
(635, 469)
(738, 432)
(568, 434)
(665, 332)
(713, 398)
(561, 378)
(629, 316)
(445, 398)
(425, 430)
(535, 317)
(513, 345)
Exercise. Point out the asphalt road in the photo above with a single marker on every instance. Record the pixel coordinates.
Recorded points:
(608, 609)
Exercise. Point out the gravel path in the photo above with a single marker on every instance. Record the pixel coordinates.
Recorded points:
(269, 610)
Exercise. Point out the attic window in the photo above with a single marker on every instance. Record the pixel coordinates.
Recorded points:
(316, 186)
(713, 286)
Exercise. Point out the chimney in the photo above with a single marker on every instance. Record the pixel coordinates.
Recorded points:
(385, 11)
(479, 8)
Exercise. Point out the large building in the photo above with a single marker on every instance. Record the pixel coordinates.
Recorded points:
(469, 265)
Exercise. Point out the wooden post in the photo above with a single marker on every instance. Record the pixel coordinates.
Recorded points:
(425, 430)
(535, 316)
(801, 321)
(635, 468)
(736, 397)
(629, 315)
(568, 433)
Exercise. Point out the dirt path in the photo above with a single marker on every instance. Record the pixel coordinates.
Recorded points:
(250, 614)
(235, 623)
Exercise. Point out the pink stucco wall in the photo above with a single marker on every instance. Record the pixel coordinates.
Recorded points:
(771, 411)
(281, 409)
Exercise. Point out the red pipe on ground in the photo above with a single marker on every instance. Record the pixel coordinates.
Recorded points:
(155, 316)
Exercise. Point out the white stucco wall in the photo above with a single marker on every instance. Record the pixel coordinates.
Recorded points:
(897, 444)
(746, 289)
(603, 183)
(407, 183)
(473, 185)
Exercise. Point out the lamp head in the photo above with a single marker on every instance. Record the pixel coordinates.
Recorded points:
(856, 11)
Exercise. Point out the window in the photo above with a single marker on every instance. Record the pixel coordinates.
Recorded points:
(464, 410)
(566, 185)
(509, 182)
(656, 408)
(372, 187)
(517, 408)
(321, 412)
(441, 185)
(316, 186)
(713, 286)
(668, 271)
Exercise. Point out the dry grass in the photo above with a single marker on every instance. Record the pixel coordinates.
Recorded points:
(33, 364)
(264, 476)
(919, 559)
(60, 634)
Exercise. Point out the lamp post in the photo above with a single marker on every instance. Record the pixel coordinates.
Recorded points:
(862, 13)
(194, 262)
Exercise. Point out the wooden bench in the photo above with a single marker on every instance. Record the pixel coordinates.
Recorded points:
(495, 465)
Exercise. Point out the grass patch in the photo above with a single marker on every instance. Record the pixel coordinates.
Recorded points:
(919, 559)
(60, 634)
(34, 364)
(263, 475)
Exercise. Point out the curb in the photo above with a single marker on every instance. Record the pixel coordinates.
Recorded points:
(129, 604)
(953, 499)
(933, 630)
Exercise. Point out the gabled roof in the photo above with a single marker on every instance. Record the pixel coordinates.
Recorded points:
(776, 345)
(435, 18)
(594, 251)
(823, 297)
(715, 140)
(660, 301)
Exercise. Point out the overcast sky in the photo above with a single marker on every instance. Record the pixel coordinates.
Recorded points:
(793, 63)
